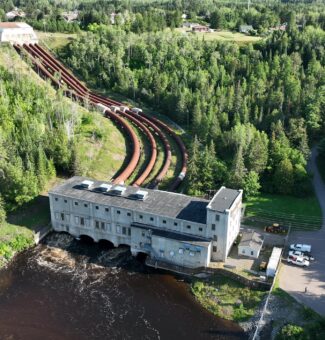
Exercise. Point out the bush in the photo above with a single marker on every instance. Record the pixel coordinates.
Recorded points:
(292, 332)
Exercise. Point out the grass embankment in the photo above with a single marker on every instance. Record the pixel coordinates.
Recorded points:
(229, 36)
(227, 298)
(13, 239)
(55, 40)
(101, 147)
(300, 213)
(306, 323)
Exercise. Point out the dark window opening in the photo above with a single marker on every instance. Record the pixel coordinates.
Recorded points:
(124, 230)
(188, 227)
(164, 221)
(118, 212)
(151, 218)
(213, 227)
(75, 203)
(129, 214)
(97, 224)
(200, 229)
(82, 221)
(65, 201)
(175, 224)
(141, 217)
(214, 248)
(62, 216)
(217, 217)
(103, 225)
(86, 205)
(56, 199)
(129, 231)
(106, 209)
(97, 207)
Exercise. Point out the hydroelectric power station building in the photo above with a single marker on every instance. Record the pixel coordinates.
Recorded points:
(169, 227)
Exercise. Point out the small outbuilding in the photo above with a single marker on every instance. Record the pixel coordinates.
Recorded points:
(245, 28)
(200, 28)
(17, 33)
(251, 244)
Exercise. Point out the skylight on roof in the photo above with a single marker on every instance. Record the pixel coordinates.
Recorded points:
(87, 184)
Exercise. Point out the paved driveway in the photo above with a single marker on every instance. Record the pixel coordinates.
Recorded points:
(294, 279)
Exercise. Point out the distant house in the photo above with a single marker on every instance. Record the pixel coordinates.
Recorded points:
(251, 244)
(15, 13)
(184, 16)
(200, 28)
(189, 24)
(70, 16)
(282, 27)
(245, 28)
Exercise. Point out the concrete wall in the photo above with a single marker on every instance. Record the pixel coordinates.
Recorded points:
(114, 224)
(18, 35)
(247, 251)
(223, 229)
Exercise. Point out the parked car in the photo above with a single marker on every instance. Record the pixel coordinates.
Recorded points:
(298, 260)
(305, 248)
(300, 253)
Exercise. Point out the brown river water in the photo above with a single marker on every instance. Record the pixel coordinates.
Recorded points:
(68, 289)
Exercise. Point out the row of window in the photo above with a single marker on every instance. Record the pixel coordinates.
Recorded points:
(140, 216)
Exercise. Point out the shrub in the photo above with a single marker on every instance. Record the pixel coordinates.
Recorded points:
(292, 332)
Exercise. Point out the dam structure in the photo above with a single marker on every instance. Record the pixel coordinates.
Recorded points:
(169, 227)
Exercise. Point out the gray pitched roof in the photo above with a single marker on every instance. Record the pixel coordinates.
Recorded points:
(158, 202)
(224, 199)
(251, 239)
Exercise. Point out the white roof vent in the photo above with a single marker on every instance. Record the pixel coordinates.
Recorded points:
(87, 184)
(141, 195)
(104, 187)
(118, 190)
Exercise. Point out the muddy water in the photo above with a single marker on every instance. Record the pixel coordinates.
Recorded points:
(65, 289)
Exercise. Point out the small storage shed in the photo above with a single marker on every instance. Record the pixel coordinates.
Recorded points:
(273, 262)
(250, 244)
(245, 28)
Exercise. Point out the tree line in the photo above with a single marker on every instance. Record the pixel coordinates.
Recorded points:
(36, 138)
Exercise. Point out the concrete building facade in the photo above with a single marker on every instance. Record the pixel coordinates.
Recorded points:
(169, 227)
(17, 33)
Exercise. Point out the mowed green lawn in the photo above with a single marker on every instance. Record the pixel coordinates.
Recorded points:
(300, 213)
(101, 147)
(55, 40)
(222, 36)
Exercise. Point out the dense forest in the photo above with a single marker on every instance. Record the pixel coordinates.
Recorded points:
(150, 16)
(254, 109)
(36, 133)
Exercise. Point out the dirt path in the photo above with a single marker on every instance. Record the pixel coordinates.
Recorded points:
(293, 279)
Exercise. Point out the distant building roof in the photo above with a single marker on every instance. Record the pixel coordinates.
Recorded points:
(245, 28)
(251, 239)
(157, 202)
(224, 199)
(4, 25)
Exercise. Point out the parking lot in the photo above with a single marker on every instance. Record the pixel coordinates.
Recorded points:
(294, 279)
